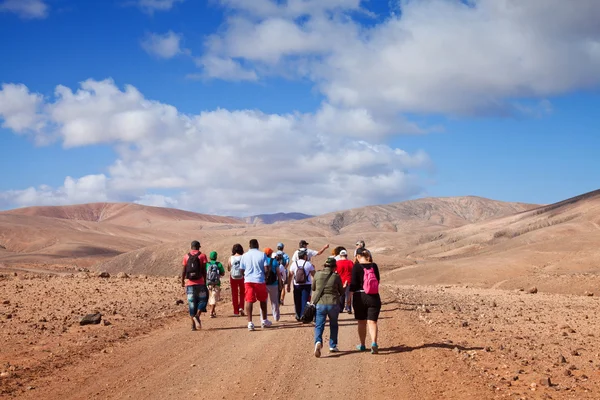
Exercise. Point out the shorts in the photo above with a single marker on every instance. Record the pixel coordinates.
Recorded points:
(214, 295)
(366, 306)
(256, 291)
(197, 297)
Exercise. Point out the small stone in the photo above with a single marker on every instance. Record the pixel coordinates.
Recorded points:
(562, 359)
(122, 275)
(91, 319)
(465, 324)
(8, 316)
(103, 275)
(488, 349)
(6, 302)
(546, 381)
(590, 294)
(572, 367)
(106, 323)
(178, 302)
(533, 290)
(494, 304)
(574, 353)
(584, 377)
(568, 372)
(30, 387)
(193, 365)
(4, 374)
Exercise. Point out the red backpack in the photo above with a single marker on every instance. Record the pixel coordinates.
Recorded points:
(370, 282)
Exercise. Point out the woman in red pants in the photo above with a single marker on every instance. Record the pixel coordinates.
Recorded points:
(236, 278)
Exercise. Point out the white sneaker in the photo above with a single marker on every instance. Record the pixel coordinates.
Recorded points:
(318, 347)
(250, 326)
(334, 350)
(266, 323)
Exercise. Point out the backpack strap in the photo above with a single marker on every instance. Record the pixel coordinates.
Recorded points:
(318, 296)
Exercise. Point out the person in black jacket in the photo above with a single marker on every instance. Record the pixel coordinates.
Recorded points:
(366, 300)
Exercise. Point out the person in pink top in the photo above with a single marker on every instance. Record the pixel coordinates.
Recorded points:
(193, 278)
(344, 270)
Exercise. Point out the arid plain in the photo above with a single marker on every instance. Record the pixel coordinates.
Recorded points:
(483, 299)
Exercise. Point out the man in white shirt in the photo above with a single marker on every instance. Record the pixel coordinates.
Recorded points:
(301, 273)
(303, 246)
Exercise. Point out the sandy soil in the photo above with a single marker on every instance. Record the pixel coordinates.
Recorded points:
(436, 342)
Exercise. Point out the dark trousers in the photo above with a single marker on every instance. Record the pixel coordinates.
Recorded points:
(301, 297)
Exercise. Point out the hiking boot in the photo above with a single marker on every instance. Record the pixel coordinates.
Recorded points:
(266, 324)
(242, 313)
(334, 350)
(250, 326)
(374, 348)
(197, 323)
(318, 347)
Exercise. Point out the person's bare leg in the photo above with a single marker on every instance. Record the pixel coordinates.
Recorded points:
(373, 330)
(249, 311)
(263, 309)
(362, 331)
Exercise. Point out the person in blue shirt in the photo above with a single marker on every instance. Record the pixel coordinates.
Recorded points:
(254, 264)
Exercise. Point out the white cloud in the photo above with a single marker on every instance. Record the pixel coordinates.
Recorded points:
(27, 9)
(87, 189)
(162, 45)
(19, 108)
(157, 200)
(221, 161)
(435, 56)
(223, 68)
(150, 6)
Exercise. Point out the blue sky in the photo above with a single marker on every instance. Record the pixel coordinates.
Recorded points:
(234, 107)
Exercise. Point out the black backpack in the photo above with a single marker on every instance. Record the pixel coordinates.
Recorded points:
(193, 269)
(271, 275)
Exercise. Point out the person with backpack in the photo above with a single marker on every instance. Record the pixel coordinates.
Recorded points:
(301, 272)
(273, 282)
(303, 246)
(344, 269)
(214, 272)
(254, 263)
(284, 261)
(193, 278)
(366, 299)
(327, 287)
(236, 279)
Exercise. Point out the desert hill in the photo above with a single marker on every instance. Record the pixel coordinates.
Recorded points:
(273, 218)
(127, 214)
(554, 247)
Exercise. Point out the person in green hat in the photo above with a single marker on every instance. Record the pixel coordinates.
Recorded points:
(214, 272)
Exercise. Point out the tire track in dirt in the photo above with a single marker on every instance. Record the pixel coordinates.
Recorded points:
(225, 361)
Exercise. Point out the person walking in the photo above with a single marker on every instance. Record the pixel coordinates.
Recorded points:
(328, 288)
(366, 299)
(193, 279)
(214, 272)
(273, 282)
(254, 263)
(284, 260)
(344, 270)
(301, 273)
(236, 279)
(303, 246)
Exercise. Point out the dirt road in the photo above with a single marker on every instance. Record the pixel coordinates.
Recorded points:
(225, 361)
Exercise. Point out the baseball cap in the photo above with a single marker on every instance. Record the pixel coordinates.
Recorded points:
(280, 245)
(268, 251)
(343, 253)
(213, 255)
(303, 243)
(330, 262)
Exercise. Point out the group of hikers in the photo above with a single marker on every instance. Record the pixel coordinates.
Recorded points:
(342, 285)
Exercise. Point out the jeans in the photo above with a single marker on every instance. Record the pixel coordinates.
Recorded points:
(301, 297)
(345, 302)
(323, 311)
(197, 296)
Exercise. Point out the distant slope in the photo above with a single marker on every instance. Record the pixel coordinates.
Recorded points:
(548, 246)
(273, 218)
(128, 214)
(421, 215)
